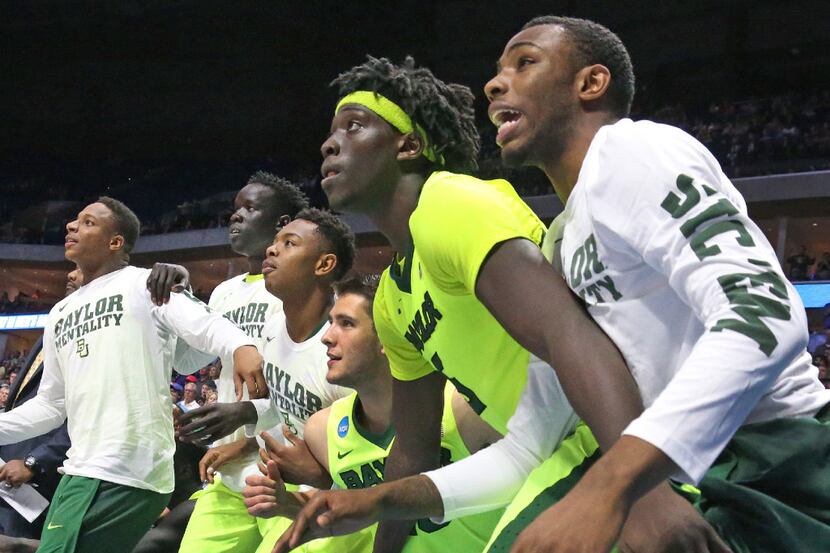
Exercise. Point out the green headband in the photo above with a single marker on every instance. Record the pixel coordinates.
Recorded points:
(392, 113)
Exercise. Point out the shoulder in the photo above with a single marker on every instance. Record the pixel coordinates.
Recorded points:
(446, 193)
(223, 287)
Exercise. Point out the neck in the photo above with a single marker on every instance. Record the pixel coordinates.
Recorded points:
(563, 170)
(306, 311)
(392, 215)
(91, 272)
(255, 264)
(376, 402)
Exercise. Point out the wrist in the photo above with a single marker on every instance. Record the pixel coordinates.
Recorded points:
(246, 413)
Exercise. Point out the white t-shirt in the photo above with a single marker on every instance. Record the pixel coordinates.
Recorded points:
(296, 376)
(245, 301)
(658, 243)
(108, 352)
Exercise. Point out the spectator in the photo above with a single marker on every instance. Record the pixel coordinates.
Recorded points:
(4, 395)
(823, 267)
(823, 374)
(214, 370)
(211, 397)
(799, 264)
(189, 402)
(12, 372)
(176, 390)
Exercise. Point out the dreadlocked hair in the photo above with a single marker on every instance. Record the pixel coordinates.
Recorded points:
(445, 111)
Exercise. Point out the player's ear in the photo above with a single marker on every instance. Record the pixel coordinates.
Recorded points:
(410, 147)
(117, 242)
(325, 264)
(592, 82)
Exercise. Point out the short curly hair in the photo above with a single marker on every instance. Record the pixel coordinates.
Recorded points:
(337, 234)
(444, 110)
(288, 198)
(594, 43)
(126, 221)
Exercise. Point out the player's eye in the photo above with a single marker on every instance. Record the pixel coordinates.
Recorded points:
(353, 126)
(524, 60)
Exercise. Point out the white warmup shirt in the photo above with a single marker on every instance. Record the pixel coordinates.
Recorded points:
(296, 376)
(107, 357)
(658, 243)
(243, 300)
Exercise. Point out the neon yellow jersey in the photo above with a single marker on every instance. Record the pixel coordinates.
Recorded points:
(357, 459)
(426, 312)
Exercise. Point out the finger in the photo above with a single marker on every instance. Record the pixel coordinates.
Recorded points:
(151, 283)
(262, 468)
(262, 508)
(274, 473)
(204, 464)
(282, 544)
(271, 444)
(237, 386)
(211, 471)
(715, 543)
(301, 521)
(264, 458)
(290, 436)
(167, 283)
(261, 384)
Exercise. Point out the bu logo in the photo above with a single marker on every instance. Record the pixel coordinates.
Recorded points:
(82, 348)
(343, 427)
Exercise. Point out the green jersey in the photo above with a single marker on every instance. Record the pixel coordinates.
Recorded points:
(357, 458)
(426, 312)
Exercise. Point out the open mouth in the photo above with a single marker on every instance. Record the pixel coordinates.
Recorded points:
(332, 360)
(506, 120)
(268, 267)
(68, 242)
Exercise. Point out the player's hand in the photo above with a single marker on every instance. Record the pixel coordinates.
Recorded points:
(215, 420)
(663, 522)
(296, 463)
(332, 513)
(219, 455)
(582, 522)
(266, 496)
(247, 372)
(164, 278)
(14, 473)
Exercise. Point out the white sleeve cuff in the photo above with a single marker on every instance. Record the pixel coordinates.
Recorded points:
(691, 467)
(267, 417)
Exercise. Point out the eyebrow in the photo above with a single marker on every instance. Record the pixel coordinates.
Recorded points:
(514, 46)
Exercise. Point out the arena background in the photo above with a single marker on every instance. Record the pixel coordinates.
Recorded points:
(171, 105)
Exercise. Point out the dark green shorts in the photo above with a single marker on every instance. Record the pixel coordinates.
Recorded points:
(92, 516)
(769, 491)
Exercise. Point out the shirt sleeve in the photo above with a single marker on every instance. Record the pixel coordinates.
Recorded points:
(44, 412)
(542, 420)
(460, 219)
(405, 362)
(267, 417)
(200, 327)
(685, 220)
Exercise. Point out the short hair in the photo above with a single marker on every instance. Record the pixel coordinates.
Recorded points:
(336, 233)
(126, 222)
(365, 286)
(444, 110)
(288, 198)
(595, 43)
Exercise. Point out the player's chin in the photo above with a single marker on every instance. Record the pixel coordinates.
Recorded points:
(514, 155)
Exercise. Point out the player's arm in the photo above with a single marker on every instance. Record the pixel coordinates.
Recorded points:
(475, 433)
(305, 461)
(216, 420)
(166, 278)
(44, 412)
(417, 406)
(534, 304)
(205, 330)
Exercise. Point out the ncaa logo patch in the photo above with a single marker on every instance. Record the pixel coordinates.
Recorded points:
(343, 427)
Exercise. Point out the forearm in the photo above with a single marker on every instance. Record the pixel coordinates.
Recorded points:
(291, 503)
(411, 498)
(627, 472)
(35, 417)
(595, 379)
